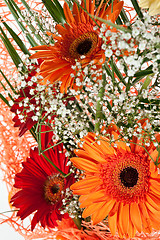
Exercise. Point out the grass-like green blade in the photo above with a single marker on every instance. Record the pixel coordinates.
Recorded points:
(141, 74)
(54, 11)
(8, 82)
(146, 83)
(30, 26)
(137, 9)
(16, 39)
(59, 7)
(4, 99)
(12, 52)
(22, 27)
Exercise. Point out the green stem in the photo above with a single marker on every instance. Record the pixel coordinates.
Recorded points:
(77, 221)
(123, 29)
(9, 211)
(63, 174)
(99, 114)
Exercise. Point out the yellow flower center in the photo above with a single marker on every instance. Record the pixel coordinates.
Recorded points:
(53, 188)
(84, 45)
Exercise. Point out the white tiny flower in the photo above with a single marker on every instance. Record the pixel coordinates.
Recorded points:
(23, 84)
(108, 53)
(35, 118)
(11, 103)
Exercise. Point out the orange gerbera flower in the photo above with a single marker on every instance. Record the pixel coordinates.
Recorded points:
(77, 38)
(120, 182)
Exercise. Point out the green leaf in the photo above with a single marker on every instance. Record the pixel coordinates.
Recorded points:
(146, 83)
(17, 39)
(118, 73)
(4, 99)
(123, 29)
(137, 8)
(124, 16)
(59, 7)
(7, 81)
(22, 27)
(30, 26)
(54, 10)
(12, 52)
(141, 74)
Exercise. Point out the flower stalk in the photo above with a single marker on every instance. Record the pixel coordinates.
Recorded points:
(99, 114)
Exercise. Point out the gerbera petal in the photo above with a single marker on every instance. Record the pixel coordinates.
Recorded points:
(112, 221)
(135, 216)
(94, 207)
(50, 66)
(154, 155)
(125, 218)
(152, 201)
(42, 54)
(99, 7)
(84, 164)
(147, 227)
(94, 197)
(68, 14)
(100, 215)
(131, 230)
(87, 182)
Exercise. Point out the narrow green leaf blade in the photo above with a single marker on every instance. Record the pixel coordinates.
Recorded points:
(137, 9)
(7, 81)
(17, 39)
(54, 12)
(4, 99)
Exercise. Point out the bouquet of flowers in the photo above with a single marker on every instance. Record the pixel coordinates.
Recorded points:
(80, 80)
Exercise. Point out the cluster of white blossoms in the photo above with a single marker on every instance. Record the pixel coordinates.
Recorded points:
(134, 48)
(131, 89)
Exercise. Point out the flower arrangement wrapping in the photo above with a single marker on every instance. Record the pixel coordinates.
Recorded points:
(80, 100)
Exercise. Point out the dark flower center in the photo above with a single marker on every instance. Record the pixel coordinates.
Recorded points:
(129, 177)
(84, 47)
(53, 188)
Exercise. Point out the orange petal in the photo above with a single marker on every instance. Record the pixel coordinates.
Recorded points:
(94, 207)
(119, 220)
(76, 13)
(146, 222)
(99, 8)
(154, 155)
(42, 54)
(131, 229)
(42, 47)
(151, 201)
(100, 215)
(155, 198)
(112, 221)
(88, 182)
(135, 216)
(125, 218)
(68, 14)
(84, 164)
(83, 154)
(93, 197)
(155, 186)
(51, 66)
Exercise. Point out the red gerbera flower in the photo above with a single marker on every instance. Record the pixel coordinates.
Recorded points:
(42, 187)
(18, 106)
(29, 103)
